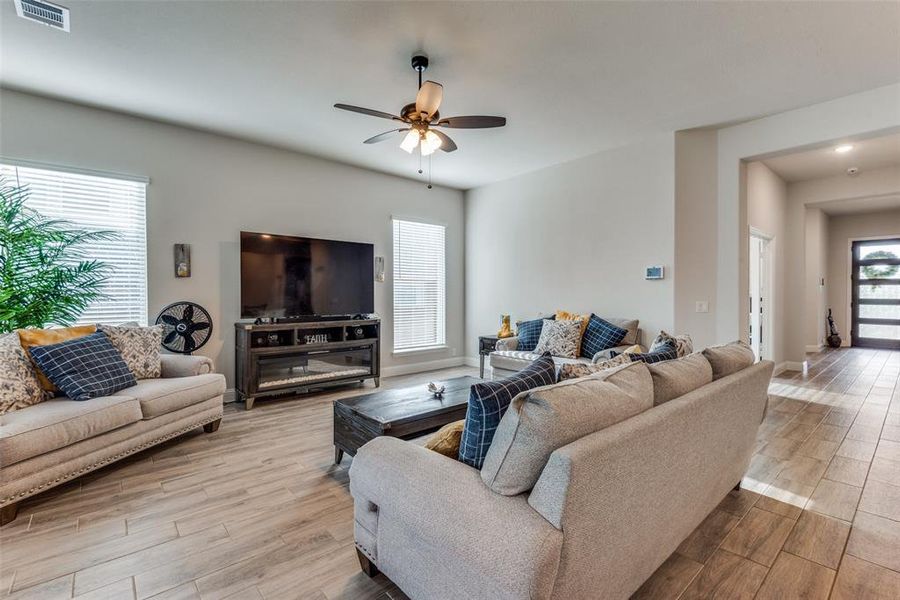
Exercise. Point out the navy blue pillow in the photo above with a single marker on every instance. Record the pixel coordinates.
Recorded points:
(488, 402)
(600, 335)
(529, 332)
(84, 368)
(667, 352)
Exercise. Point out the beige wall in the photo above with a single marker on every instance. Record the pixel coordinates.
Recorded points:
(841, 231)
(575, 236)
(767, 212)
(205, 188)
(695, 233)
(816, 293)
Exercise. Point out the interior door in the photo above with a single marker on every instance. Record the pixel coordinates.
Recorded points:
(875, 291)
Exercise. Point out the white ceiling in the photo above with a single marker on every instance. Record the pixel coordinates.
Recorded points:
(852, 206)
(572, 78)
(866, 155)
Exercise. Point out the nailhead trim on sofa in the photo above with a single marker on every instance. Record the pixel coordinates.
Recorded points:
(106, 461)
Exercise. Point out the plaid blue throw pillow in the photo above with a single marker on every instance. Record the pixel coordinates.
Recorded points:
(600, 335)
(488, 402)
(84, 368)
(529, 332)
(668, 351)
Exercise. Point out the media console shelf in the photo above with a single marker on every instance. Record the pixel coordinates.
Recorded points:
(296, 358)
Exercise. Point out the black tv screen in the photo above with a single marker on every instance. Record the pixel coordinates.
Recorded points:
(284, 276)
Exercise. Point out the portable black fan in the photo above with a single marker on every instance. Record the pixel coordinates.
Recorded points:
(187, 327)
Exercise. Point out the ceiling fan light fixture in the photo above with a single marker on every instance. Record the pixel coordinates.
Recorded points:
(410, 141)
(430, 143)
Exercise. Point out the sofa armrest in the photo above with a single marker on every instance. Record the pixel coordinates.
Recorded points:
(510, 343)
(180, 365)
(455, 518)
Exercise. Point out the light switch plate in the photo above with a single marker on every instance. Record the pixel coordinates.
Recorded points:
(701, 306)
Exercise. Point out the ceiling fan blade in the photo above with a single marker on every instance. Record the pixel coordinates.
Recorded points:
(447, 145)
(473, 122)
(383, 136)
(428, 100)
(368, 111)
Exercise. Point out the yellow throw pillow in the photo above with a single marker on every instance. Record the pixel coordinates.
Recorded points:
(446, 440)
(45, 337)
(636, 349)
(564, 315)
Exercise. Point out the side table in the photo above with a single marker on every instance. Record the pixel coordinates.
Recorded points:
(486, 345)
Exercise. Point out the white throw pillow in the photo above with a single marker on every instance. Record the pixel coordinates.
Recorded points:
(559, 338)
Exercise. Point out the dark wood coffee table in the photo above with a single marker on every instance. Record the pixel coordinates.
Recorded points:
(402, 413)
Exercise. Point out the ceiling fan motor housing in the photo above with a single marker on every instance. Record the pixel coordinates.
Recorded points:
(419, 62)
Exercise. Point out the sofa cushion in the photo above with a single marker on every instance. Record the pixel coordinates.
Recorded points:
(45, 337)
(599, 335)
(560, 338)
(675, 378)
(85, 367)
(544, 419)
(139, 347)
(630, 326)
(160, 396)
(488, 401)
(59, 422)
(729, 358)
(529, 332)
(19, 386)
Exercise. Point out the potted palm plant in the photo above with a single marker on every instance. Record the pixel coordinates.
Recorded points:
(45, 275)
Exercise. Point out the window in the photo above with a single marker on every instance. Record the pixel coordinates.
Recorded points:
(420, 297)
(98, 203)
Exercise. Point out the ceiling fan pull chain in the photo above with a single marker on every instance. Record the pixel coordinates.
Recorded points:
(429, 171)
(420, 163)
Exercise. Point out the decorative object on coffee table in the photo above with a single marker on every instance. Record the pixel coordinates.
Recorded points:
(403, 413)
(436, 390)
(486, 345)
(505, 330)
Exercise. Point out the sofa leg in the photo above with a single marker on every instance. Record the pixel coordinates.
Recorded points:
(213, 426)
(8, 513)
(367, 566)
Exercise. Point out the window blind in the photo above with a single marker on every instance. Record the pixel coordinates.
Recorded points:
(98, 203)
(420, 297)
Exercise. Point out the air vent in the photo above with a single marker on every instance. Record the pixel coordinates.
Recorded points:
(45, 13)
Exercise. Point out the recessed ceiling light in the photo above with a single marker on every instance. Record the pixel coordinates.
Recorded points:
(844, 148)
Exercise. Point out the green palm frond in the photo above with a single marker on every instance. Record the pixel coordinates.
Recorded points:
(45, 275)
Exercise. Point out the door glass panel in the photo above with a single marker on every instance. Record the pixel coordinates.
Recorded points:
(884, 332)
(879, 311)
(883, 250)
(879, 272)
(879, 292)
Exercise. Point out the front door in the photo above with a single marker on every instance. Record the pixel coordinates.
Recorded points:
(875, 290)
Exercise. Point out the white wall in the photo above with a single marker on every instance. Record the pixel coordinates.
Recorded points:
(860, 114)
(842, 230)
(205, 188)
(816, 293)
(575, 236)
(767, 208)
(695, 234)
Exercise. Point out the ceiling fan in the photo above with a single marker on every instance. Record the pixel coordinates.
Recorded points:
(421, 118)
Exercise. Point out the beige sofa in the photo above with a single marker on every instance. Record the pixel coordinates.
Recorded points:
(51, 442)
(507, 359)
(606, 511)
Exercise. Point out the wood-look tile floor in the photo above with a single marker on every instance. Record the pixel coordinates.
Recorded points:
(257, 510)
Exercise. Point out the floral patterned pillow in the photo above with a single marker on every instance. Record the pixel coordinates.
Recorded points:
(19, 386)
(139, 347)
(682, 342)
(560, 338)
(576, 370)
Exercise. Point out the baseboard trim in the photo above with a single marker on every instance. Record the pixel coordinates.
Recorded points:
(790, 365)
(471, 361)
(815, 348)
(431, 365)
(230, 395)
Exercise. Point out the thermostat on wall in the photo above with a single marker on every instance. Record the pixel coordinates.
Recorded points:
(657, 272)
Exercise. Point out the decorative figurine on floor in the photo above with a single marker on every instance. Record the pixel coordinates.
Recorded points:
(437, 392)
(833, 339)
(505, 331)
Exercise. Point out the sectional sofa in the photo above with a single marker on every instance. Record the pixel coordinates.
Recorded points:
(605, 511)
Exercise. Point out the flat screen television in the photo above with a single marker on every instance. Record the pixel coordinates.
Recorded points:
(289, 277)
